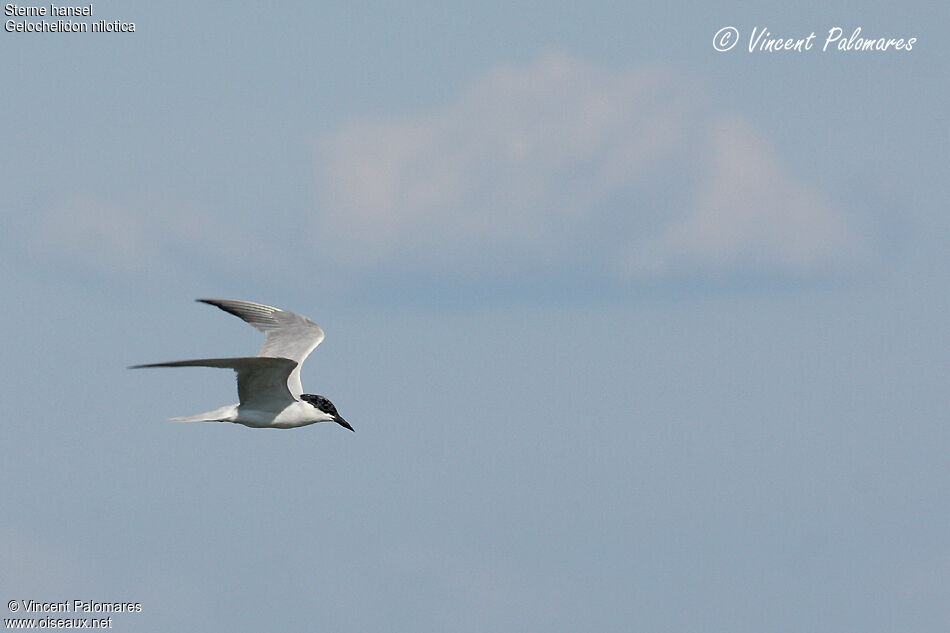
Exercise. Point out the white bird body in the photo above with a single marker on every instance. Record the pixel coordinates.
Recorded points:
(293, 415)
(269, 388)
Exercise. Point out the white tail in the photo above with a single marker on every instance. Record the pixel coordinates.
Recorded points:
(224, 414)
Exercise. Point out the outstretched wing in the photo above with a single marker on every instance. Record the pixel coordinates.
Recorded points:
(261, 381)
(289, 335)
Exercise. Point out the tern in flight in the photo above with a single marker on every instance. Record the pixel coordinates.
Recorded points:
(268, 384)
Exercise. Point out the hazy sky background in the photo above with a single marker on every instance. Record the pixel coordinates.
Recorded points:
(635, 335)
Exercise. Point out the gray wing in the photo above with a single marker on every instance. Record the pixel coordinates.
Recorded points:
(289, 335)
(261, 381)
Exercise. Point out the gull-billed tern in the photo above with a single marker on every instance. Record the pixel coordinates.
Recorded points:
(269, 388)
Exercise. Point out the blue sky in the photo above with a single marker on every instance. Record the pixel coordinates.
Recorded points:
(635, 335)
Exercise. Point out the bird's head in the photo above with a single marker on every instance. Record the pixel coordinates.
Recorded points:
(324, 405)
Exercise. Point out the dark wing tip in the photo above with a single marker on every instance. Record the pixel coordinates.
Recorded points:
(247, 310)
(257, 314)
(224, 303)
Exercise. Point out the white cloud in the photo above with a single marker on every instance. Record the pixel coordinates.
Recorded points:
(548, 172)
(748, 215)
(95, 231)
(122, 235)
(560, 166)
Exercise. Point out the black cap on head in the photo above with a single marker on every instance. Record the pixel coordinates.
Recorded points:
(327, 407)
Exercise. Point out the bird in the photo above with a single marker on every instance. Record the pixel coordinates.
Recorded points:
(269, 388)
